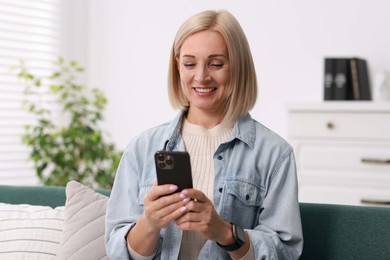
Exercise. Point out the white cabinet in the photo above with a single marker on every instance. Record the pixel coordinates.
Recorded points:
(342, 151)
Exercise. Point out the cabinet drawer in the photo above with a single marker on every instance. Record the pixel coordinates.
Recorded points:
(372, 157)
(339, 125)
(344, 195)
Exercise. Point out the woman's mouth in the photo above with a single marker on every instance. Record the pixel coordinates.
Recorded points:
(204, 90)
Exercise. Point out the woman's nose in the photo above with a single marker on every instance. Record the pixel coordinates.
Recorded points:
(202, 74)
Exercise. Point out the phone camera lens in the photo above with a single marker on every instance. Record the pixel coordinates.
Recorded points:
(161, 165)
(160, 157)
(169, 161)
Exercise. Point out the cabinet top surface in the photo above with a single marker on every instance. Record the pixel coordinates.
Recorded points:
(329, 106)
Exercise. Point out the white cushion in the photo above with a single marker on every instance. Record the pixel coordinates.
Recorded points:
(83, 234)
(30, 232)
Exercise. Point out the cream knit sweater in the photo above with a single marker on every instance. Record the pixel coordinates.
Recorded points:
(201, 143)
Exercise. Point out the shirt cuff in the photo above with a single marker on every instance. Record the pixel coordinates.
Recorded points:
(134, 255)
(250, 255)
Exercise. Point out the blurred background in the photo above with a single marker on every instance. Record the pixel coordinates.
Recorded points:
(124, 47)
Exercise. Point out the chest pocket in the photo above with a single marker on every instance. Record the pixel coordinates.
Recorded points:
(242, 203)
(247, 193)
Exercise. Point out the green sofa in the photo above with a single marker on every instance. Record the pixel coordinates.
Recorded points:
(330, 231)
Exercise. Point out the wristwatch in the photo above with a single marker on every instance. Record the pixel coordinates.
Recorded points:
(239, 238)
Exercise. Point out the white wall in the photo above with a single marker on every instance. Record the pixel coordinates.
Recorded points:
(128, 45)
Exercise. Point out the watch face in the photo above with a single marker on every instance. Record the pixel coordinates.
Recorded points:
(238, 232)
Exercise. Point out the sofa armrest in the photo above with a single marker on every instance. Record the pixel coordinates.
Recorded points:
(345, 232)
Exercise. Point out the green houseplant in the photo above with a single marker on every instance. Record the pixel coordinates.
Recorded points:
(75, 147)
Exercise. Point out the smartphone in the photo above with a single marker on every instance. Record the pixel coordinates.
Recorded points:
(173, 167)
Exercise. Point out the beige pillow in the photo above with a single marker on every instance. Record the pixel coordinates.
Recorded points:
(83, 234)
(30, 232)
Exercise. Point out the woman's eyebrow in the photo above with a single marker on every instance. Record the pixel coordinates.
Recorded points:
(210, 56)
(218, 55)
(187, 56)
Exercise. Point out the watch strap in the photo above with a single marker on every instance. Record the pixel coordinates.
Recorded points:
(238, 240)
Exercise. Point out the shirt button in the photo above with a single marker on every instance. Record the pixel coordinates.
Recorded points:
(247, 197)
(220, 190)
(219, 157)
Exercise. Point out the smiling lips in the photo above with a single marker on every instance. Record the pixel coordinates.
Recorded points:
(204, 90)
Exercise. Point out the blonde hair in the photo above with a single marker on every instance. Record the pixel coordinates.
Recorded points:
(243, 82)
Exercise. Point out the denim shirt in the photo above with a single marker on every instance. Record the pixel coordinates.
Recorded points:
(255, 186)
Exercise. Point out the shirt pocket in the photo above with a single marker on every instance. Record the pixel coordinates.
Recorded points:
(243, 203)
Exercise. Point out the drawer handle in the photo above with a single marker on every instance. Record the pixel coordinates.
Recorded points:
(375, 202)
(330, 125)
(375, 161)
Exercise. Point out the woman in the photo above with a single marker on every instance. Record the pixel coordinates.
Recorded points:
(244, 203)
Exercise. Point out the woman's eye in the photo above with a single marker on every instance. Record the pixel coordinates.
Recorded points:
(216, 65)
(189, 65)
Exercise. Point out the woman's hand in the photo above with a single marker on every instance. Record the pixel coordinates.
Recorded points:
(201, 217)
(161, 206)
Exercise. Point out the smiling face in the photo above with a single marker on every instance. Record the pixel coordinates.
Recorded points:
(203, 65)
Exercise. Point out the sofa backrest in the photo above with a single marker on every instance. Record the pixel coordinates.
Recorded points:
(331, 232)
(345, 232)
(36, 195)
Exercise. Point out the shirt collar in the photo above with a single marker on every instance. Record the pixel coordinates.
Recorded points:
(244, 129)
(173, 135)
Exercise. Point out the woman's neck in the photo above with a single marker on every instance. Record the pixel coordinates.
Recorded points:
(207, 120)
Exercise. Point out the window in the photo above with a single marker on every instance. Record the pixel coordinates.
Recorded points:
(30, 30)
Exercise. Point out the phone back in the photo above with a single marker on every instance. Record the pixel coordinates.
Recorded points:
(173, 167)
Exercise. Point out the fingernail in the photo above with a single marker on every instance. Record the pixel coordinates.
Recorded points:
(173, 188)
(186, 200)
(182, 209)
(184, 192)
